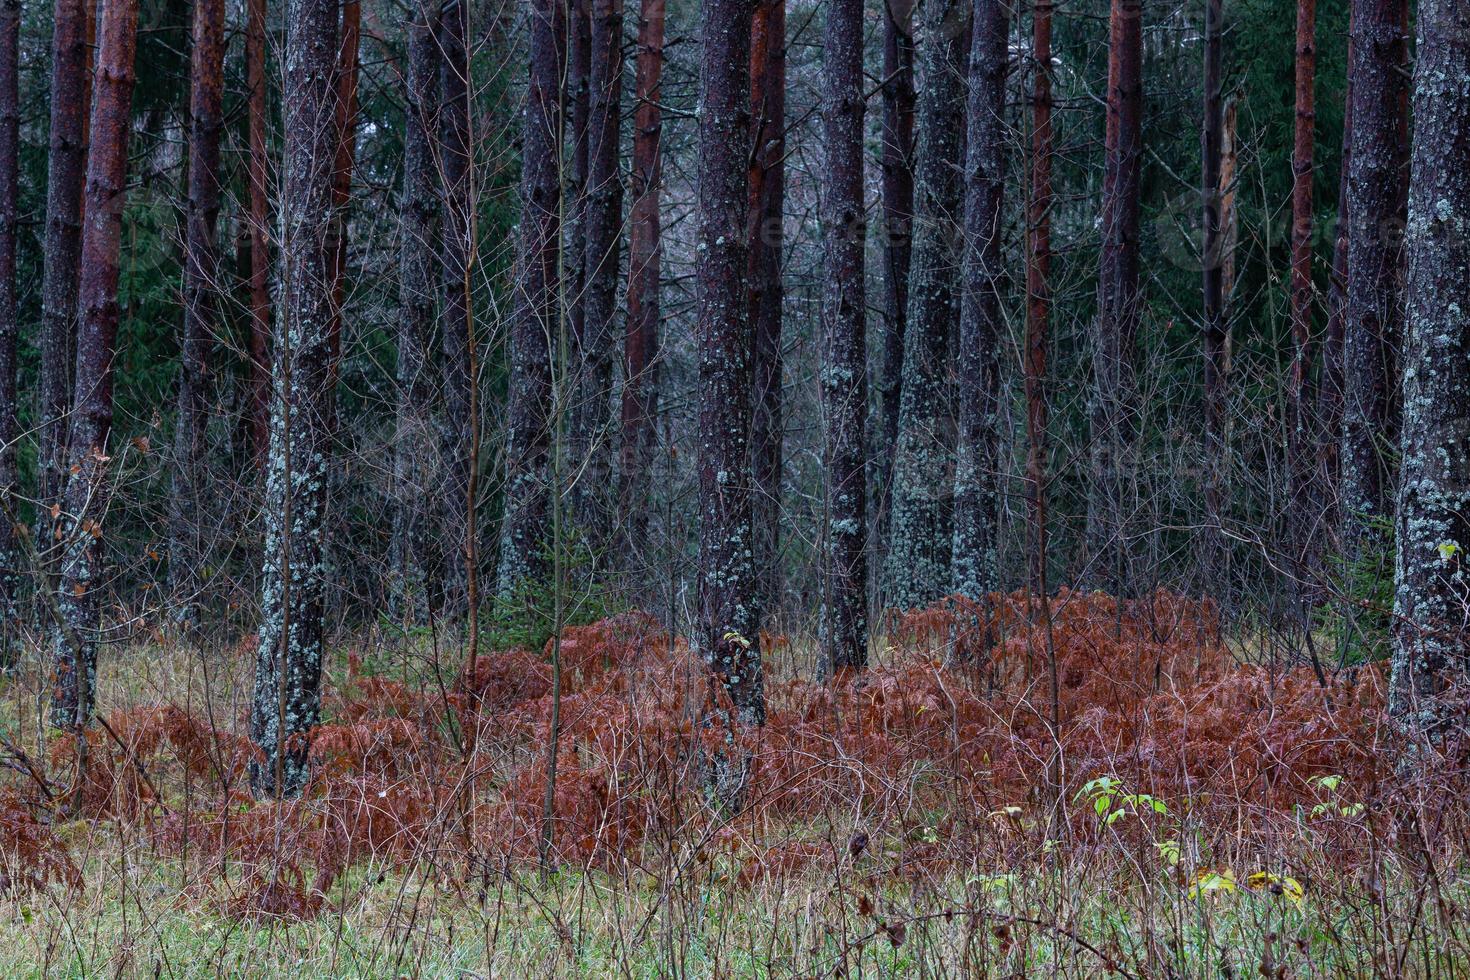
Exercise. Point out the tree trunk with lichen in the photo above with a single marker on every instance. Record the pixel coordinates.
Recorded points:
(201, 305)
(917, 563)
(1432, 616)
(844, 388)
(977, 493)
(727, 628)
(525, 525)
(418, 249)
(288, 667)
(84, 508)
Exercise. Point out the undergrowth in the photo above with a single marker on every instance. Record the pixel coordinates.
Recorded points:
(1189, 814)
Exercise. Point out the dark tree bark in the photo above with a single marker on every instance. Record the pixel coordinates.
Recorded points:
(1216, 329)
(65, 169)
(640, 346)
(288, 668)
(10, 572)
(418, 250)
(1430, 632)
(1377, 191)
(91, 413)
(898, 215)
(1328, 418)
(727, 629)
(1038, 286)
(260, 294)
(917, 564)
(976, 495)
(201, 302)
(524, 534)
(1301, 463)
(1113, 409)
(579, 112)
(346, 107)
(455, 314)
(844, 625)
(592, 434)
(763, 268)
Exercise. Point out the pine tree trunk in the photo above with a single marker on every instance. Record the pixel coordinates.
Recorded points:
(640, 346)
(454, 161)
(346, 106)
(260, 295)
(91, 413)
(1215, 465)
(1038, 286)
(288, 669)
(764, 227)
(898, 216)
(1328, 409)
(844, 625)
(977, 493)
(592, 433)
(917, 563)
(1113, 411)
(727, 629)
(201, 304)
(1377, 189)
(1301, 464)
(579, 114)
(10, 571)
(1431, 624)
(536, 323)
(418, 250)
(65, 170)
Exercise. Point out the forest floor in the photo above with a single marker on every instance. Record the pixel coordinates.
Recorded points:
(1178, 811)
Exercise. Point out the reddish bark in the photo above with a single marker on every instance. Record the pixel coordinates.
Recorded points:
(91, 414)
(640, 364)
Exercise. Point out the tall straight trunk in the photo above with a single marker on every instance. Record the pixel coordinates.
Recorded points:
(1038, 285)
(897, 158)
(1216, 329)
(346, 107)
(917, 563)
(455, 160)
(1328, 408)
(1113, 411)
(1430, 629)
(75, 665)
(10, 573)
(1377, 191)
(65, 169)
(260, 294)
(977, 493)
(727, 629)
(640, 345)
(524, 535)
(418, 248)
(592, 433)
(578, 96)
(1301, 464)
(763, 268)
(288, 667)
(844, 626)
(201, 302)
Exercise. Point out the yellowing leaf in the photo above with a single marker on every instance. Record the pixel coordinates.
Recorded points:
(1209, 883)
(1287, 888)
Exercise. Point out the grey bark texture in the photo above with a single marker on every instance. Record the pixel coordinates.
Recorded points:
(288, 667)
(917, 563)
(1432, 595)
(843, 378)
(976, 490)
